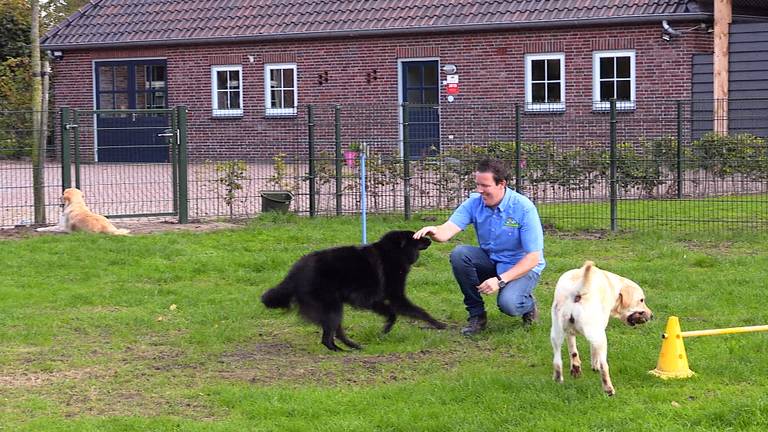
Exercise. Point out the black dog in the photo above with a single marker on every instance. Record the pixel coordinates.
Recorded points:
(368, 277)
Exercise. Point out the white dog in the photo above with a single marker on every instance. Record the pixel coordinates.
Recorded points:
(584, 300)
(76, 216)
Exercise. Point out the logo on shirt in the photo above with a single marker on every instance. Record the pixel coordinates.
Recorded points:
(511, 223)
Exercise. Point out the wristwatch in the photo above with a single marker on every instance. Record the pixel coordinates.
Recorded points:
(502, 283)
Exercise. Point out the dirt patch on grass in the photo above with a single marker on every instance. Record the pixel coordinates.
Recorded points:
(708, 246)
(150, 380)
(579, 235)
(22, 379)
(278, 363)
(137, 227)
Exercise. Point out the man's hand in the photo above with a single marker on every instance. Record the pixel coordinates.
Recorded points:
(440, 233)
(428, 231)
(490, 286)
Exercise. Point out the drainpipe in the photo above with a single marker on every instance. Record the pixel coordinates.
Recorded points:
(723, 17)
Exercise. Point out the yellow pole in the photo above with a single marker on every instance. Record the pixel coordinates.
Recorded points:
(730, 330)
(673, 362)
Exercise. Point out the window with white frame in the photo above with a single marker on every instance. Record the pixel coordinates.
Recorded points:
(613, 78)
(227, 87)
(545, 82)
(280, 97)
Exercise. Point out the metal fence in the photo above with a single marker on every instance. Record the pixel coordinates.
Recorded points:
(597, 167)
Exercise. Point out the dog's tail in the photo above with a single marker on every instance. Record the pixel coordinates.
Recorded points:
(121, 231)
(586, 277)
(279, 296)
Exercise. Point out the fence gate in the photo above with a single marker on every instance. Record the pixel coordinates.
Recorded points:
(128, 163)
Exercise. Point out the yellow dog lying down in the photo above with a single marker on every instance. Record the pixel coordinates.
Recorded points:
(78, 217)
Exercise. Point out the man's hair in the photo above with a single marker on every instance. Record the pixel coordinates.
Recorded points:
(495, 167)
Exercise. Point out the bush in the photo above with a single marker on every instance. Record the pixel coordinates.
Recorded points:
(725, 155)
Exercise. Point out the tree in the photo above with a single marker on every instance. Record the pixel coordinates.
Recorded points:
(55, 11)
(15, 16)
(15, 79)
(38, 147)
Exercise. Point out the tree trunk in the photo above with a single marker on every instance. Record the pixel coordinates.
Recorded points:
(38, 153)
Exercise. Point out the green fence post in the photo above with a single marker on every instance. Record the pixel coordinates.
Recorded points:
(518, 173)
(612, 175)
(173, 139)
(337, 140)
(406, 165)
(66, 162)
(183, 165)
(75, 125)
(311, 137)
(679, 149)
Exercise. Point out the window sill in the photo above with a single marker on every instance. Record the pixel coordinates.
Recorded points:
(227, 116)
(603, 107)
(280, 116)
(537, 108)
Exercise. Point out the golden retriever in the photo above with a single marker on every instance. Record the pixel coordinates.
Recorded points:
(76, 216)
(584, 300)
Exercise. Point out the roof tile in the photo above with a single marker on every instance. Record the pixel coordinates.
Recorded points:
(136, 21)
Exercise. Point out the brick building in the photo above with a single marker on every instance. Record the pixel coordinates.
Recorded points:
(247, 69)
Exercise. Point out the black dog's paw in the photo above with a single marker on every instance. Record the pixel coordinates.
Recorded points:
(333, 347)
(439, 325)
(352, 344)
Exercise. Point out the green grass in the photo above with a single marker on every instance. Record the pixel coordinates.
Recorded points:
(89, 342)
(718, 213)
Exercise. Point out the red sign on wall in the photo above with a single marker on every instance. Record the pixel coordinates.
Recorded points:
(452, 88)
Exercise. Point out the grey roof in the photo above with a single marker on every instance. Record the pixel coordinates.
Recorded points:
(107, 23)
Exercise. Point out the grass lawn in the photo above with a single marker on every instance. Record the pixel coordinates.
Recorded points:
(166, 332)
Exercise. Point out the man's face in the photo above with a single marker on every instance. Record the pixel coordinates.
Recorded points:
(492, 193)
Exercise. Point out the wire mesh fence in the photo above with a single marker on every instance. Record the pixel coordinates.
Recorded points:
(18, 140)
(655, 165)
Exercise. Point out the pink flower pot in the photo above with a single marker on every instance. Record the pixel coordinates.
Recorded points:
(350, 157)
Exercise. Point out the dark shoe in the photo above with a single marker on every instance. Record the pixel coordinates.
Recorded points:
(475, 324)
(531, 316)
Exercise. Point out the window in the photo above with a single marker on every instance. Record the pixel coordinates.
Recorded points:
(227, 90)
(613, 77)
(545, 82)
(150, 86)
(280, 89)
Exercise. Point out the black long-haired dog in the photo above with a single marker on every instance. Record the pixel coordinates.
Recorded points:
(368, 277)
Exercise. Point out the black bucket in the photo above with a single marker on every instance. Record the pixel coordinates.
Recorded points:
(276, 201)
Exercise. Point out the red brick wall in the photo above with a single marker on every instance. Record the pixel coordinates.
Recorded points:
(490, 66)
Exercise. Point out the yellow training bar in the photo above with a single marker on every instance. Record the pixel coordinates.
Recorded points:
(673, 362)
(730, 330)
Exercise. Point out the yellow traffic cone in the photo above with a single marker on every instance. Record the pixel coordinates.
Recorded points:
(673, 363)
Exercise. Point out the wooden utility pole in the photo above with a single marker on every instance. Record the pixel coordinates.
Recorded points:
(723, 17)
(38, 153)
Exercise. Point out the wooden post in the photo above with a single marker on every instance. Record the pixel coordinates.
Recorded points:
(38, 153)
(723, 15)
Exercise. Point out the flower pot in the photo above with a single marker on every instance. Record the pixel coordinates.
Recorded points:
(278, 201)
(350, 157)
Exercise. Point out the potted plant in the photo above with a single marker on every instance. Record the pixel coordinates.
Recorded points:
(350, 155)
(280, 199)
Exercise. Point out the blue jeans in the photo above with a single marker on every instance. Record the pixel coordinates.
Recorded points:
(471, 266)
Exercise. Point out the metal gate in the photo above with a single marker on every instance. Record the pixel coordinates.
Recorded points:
(136, 185)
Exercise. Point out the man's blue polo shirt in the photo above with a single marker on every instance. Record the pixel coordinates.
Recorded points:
(506, 233)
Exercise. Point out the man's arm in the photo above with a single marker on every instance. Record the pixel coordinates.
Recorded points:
(526, 264)
(439, 233)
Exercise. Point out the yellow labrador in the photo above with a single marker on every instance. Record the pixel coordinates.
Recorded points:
(584, 300)
(78, 217)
